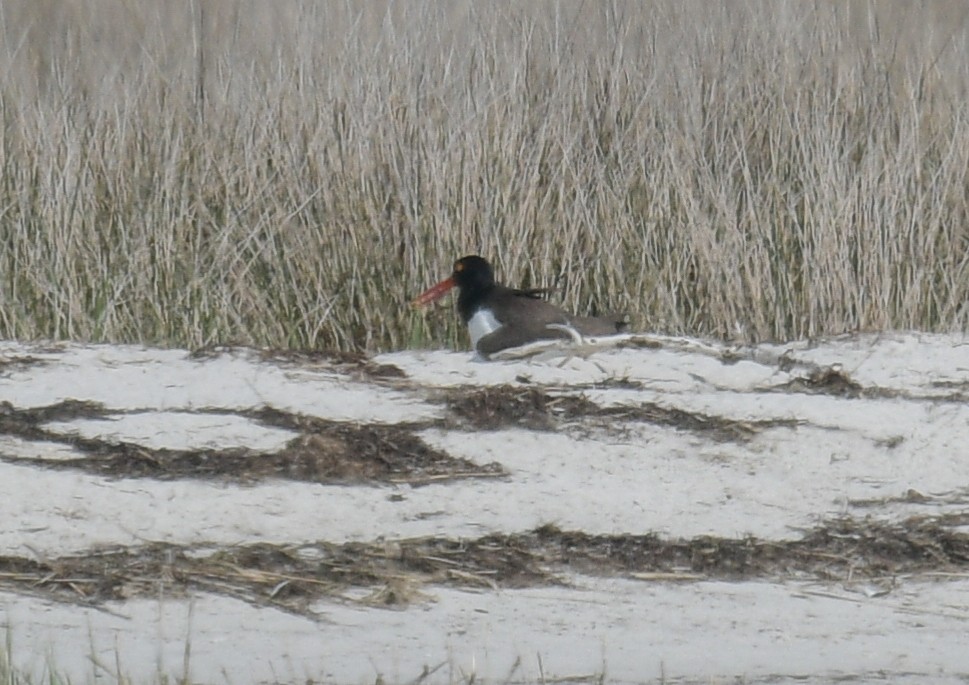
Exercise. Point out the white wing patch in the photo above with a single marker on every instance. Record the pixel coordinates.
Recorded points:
(481, 324)
(567, 328)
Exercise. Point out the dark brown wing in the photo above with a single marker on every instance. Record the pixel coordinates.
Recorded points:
(600, 325)
(535, 293)
(524, 318)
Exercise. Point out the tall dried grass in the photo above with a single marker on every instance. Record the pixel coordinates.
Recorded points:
(289, 174)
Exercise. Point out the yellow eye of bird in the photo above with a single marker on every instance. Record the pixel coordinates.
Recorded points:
(458, 266)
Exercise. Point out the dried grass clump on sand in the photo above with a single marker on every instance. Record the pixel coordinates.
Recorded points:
(397, 573)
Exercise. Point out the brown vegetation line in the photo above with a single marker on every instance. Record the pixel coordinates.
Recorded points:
(286, 174)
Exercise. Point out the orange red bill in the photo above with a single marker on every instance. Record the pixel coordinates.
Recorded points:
(435, 292)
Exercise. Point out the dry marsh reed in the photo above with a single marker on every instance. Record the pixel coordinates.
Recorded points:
(290, 174)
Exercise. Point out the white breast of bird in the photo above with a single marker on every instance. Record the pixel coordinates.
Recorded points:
(481, 324)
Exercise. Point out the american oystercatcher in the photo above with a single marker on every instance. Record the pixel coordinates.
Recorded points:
(499, 317)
